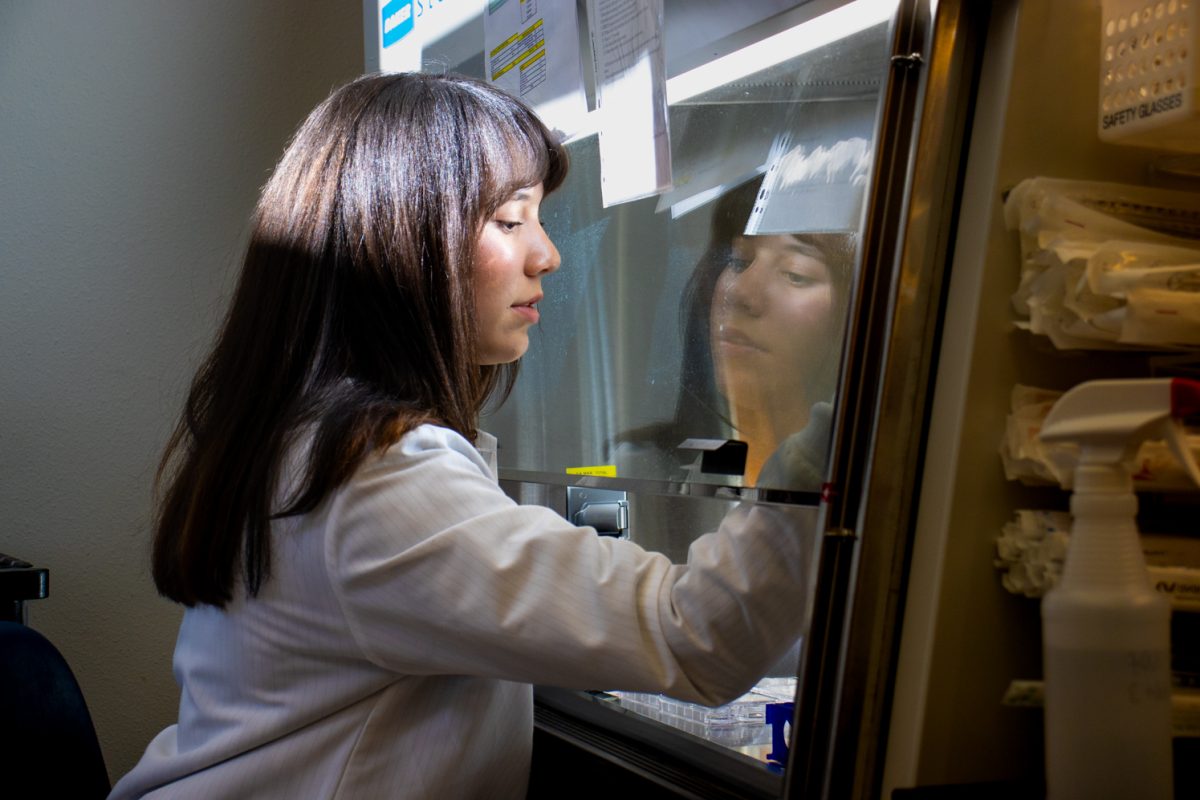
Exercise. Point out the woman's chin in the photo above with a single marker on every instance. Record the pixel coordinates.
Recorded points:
(495, 356)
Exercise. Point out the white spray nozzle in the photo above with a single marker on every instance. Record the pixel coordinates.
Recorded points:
(1110, 419)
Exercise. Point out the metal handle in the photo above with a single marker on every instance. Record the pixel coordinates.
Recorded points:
(606, 510)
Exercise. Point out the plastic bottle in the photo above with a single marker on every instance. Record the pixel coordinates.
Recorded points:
(1105, 631)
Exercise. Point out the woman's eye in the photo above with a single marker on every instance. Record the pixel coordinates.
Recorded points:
(797, 278)
(508, 225)
(738, 265)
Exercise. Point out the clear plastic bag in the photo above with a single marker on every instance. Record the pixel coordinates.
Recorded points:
(1107, 266)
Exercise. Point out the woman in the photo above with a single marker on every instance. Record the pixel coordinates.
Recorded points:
(775, 329)
(762, 328)
(366, 610)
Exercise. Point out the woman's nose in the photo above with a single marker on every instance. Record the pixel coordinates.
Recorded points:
(543, 255)
(745, 291)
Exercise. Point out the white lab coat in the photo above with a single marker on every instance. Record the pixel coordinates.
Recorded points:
(392, 651)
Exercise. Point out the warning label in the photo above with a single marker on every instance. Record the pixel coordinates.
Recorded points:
(1141, 111)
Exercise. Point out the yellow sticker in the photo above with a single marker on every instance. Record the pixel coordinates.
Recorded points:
(604, 470)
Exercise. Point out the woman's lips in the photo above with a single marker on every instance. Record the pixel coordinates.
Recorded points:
(735, 341)
(528, 311)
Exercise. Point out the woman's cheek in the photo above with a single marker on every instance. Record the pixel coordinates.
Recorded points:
(806, 309)
(804, 328)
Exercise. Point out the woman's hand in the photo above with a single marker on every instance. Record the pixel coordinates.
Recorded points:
(799, 462)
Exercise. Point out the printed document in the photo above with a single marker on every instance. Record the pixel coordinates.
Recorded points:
(531, 50)
(630, 65)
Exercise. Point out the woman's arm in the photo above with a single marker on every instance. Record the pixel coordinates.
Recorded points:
(439, 572)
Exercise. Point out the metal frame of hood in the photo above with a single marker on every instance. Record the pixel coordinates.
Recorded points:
(839, 731)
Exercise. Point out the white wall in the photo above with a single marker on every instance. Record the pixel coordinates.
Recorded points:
(134, 135)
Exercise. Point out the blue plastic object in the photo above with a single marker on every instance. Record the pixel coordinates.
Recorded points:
(779, 715)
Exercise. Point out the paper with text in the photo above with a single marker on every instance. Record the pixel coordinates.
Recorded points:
(531, 50)
(635, 142)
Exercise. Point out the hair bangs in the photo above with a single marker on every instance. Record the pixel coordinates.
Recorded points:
(522, 155)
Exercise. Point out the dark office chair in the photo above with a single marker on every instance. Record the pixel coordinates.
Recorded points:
(48, 745)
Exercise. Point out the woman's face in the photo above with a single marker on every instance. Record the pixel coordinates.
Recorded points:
(772, 324)
(514, 254)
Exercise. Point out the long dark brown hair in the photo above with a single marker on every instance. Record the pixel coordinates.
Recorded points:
(353, 318)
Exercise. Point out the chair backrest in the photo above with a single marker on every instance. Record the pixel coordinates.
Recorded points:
(48, 745)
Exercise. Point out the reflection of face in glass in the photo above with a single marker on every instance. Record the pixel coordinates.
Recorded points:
(773, 323)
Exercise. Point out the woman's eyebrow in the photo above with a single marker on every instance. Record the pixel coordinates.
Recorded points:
(804, 248)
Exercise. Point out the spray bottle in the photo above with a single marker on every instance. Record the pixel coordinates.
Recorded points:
(1105, 631)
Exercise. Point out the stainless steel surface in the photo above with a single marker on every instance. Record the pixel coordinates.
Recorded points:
(547, 480)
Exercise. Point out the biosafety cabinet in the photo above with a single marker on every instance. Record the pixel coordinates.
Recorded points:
(757, 234)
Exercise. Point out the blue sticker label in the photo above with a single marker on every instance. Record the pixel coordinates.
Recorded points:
(397, 21)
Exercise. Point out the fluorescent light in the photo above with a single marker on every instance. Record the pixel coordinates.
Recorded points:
(825, 29)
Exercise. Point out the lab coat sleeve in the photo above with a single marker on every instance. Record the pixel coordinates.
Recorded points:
(439, 572)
